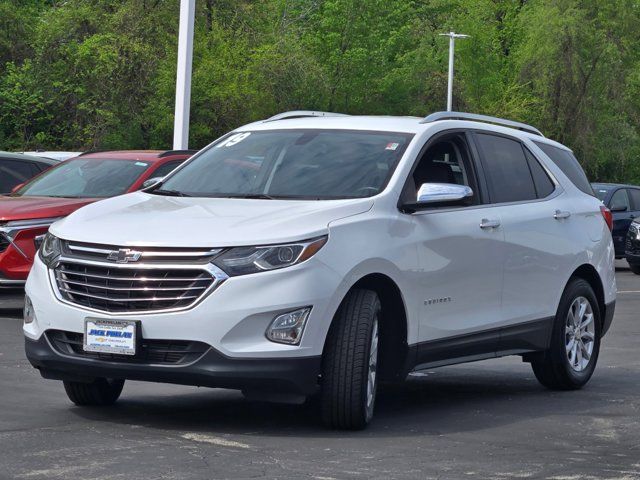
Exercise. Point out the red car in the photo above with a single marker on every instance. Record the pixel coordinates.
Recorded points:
(26, 213)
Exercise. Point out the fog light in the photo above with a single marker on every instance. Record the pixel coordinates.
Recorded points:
(287, 328)
(29, 313)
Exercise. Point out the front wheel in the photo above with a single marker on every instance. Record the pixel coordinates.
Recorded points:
(100, 392)
(572, 355)
(350, 361)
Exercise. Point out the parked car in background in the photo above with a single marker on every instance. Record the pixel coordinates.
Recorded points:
(27, 213)
(17, 168)
(632, 246)
(624, 203)
(60, 156)
(321, 253)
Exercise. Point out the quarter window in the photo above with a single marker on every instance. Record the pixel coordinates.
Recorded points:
(544, 185)
(635, 198)
(506, 169)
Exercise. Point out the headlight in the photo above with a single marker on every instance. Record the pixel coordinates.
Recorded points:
(50, 250)
(245, 260)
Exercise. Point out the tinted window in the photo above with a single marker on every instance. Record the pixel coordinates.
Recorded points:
(506, 168)
(544, 185)
(13, 173)
(569, 165)
(620, 201)
(87, 178)
(312, 164)
(635, 198)
(165, 169)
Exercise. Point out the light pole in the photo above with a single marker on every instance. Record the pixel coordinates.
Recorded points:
(452, 46)
(183, 75)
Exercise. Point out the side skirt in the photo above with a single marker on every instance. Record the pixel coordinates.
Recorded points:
(523, 338)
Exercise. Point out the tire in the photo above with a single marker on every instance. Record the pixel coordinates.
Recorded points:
(349, 364)
(100, 392)
(556, 369)
(635, 268)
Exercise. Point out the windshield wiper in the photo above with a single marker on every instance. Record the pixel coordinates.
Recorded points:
(169, 193)
(259, 196)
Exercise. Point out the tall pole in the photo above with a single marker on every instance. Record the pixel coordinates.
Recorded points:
(452, 47)
(183, 75)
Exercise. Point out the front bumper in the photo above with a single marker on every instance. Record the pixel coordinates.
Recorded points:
(274, 375)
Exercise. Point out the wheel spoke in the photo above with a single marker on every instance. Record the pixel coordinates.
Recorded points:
(579, 357)
(582, 310)
(586, 321)
(585, 352)
(570, 345)
(589, 336)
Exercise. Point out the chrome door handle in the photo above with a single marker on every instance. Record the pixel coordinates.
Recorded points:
(560, 215)
(486, 223)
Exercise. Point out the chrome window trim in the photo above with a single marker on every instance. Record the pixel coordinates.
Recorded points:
(219, 277)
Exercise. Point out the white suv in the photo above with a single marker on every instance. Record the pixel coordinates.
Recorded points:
(317, 252)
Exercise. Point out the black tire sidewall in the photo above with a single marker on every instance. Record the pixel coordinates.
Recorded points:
(576, 288)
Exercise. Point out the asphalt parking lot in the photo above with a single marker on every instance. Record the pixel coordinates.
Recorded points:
(483, 420)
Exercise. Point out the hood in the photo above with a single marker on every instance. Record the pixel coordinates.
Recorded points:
(27, 208)
(141, 219)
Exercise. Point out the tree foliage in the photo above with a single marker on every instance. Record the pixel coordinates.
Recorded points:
(89, 74)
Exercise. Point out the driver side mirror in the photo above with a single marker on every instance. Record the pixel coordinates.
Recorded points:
(618, 208)
(151, 182)
(440, 195)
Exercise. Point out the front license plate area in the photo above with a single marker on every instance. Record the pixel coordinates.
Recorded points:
(110, 336)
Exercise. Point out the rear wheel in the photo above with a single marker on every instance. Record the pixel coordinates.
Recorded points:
(350, 362)
(100, 392)
(635, 269)
(575, 341)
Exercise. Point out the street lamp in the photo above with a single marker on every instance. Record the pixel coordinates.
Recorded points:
(452, 45)
(183, 75)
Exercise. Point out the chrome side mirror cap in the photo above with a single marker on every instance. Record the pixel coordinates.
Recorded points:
(151, 182)
(430, 193)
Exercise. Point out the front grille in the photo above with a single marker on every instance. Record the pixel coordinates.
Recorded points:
(167, 352)
(4, 243)
(101, 253)
(117, 289)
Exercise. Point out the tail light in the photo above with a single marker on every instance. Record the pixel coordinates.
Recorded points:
(608, 216)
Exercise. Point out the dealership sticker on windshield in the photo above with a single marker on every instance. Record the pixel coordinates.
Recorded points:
(392, 146)
(110, 336)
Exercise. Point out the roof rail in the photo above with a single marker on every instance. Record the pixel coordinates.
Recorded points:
(177, 152)
(474, 117)
(303, 114)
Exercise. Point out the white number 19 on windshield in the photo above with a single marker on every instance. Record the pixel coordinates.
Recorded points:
(234, 139)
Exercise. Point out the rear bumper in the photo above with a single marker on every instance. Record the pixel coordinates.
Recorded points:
(274, 375)
(609, 311)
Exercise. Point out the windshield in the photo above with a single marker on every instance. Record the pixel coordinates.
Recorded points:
(298, 164)
(600, 192)
(86, 178)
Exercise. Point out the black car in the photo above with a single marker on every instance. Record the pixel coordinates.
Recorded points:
(632, 247)
(17, 168)
(624, 203)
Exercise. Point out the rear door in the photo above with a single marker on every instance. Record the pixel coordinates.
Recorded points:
(538, 248)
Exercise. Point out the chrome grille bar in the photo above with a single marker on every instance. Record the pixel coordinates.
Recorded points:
(114, 288)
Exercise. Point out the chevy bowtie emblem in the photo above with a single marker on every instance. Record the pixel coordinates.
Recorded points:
(124, 255)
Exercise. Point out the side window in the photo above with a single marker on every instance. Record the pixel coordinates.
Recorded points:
(446, 161)
(635, 198)
(506, 169)
(569, 165)
(620, 201)
(8, 178)
(544, 185)
(166, 168)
